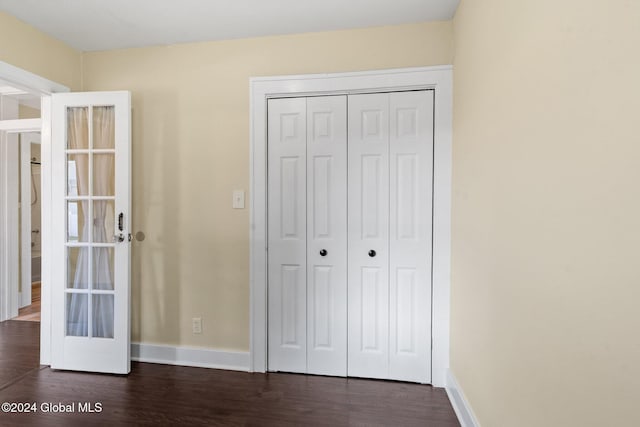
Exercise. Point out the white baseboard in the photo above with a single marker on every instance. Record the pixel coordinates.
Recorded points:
(190, 356)
(459, 402)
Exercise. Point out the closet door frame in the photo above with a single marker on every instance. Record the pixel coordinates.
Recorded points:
(439, 79)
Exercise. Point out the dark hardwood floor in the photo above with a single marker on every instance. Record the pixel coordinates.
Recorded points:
(173, 395)
(19, 350)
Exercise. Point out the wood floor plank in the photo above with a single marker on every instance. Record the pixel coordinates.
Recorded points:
(174, 395)
(19, 349)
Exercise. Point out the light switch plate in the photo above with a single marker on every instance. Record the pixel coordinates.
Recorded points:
(238, 199)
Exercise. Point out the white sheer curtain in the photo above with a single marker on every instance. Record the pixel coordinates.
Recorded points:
(78, 137)
(103, 135)
(102, 305)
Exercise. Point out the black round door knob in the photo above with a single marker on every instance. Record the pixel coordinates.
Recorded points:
(323, 252)
(372, 253)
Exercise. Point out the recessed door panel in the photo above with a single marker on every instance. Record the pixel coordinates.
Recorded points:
(287, 234)
(404, 311)
(327, 235)
(292, 282)
(372, 289)
(321, 196)
(411, 170)
(368, 230)
(321, 285)
(406, 196)
(371, 193)
(290, 194)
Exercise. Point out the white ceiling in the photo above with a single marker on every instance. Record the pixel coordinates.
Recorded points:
(90, 25)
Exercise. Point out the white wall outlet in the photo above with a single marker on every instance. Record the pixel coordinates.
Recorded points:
(197, 325)
(238, 199)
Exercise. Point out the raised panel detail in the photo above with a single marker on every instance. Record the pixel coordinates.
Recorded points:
(370, 196)
(371, 126)
(407, 203)
(322, 125)
(289, 126)
(405, 300)
(407, 122)
(291, 278)
(370, 283)
(322, 306)
(322, 196)
(289, 194)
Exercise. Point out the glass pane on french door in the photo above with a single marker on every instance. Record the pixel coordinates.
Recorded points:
(91, 222)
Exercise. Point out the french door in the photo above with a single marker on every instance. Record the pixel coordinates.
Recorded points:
(350, 232)
(91, 205)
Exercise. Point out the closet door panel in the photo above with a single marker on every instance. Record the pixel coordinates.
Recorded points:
(287, 132)
(410, 209)
(327, 235)
(350, 235)
(368, 231)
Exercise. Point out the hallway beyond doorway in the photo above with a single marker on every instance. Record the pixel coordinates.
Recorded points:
(31, 313)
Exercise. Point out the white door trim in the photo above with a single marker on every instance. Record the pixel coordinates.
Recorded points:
(27, 81)
(262, 88)
(21, 125)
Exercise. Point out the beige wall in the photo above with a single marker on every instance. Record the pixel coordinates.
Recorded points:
(26, 112)
(191, 149)
(545, 238)
(25, 47)
(545, 280)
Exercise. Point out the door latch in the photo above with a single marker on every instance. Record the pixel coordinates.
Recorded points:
(120, 237)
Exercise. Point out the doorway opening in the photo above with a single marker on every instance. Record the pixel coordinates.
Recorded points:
(30, 223)
(25, 123)
(22, 200)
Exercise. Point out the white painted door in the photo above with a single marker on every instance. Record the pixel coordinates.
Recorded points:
(287, 186)
(307, 160)
(390, 221)
(410, 219)
(91, 146)
(350, 289)
(327, 235)
(369, 236)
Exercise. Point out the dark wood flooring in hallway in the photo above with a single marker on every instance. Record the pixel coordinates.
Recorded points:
(172, 395)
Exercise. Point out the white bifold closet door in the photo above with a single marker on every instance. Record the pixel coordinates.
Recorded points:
(349, 245)
(390, 229)
(327, 235)
(307, 209)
